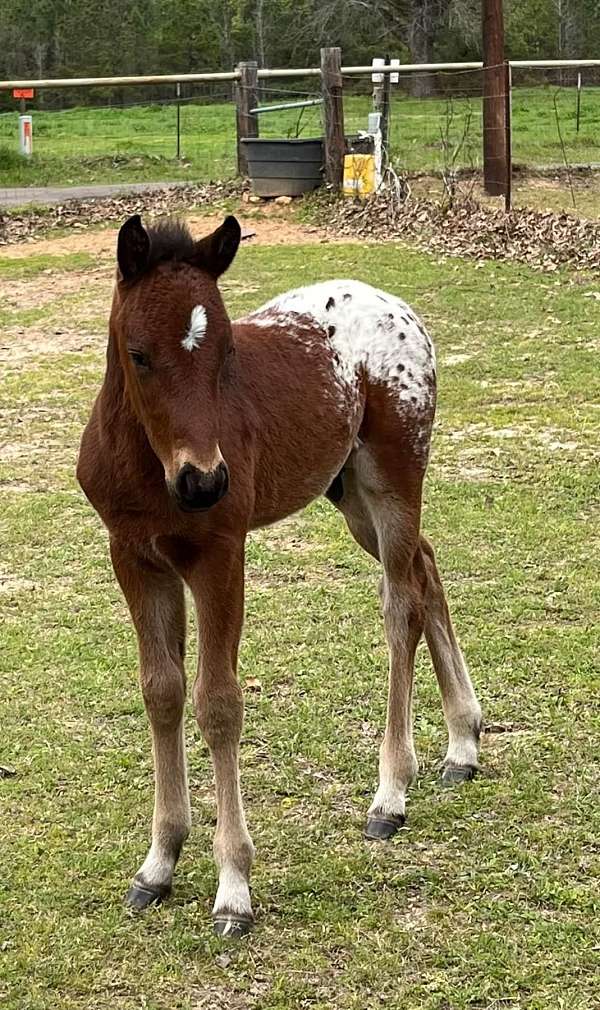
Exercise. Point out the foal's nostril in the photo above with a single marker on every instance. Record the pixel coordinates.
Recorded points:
(223, 479)
(188, 482)
(196, 490)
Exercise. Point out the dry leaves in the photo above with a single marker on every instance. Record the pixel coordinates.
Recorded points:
(28, 224)
(542, 239)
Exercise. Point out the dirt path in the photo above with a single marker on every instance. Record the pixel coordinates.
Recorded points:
(274, 229)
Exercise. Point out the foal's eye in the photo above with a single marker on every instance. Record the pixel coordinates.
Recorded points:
(140, 360)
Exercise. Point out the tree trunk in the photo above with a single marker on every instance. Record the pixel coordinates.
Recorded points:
(572, 33)
(573, 37)
(421, 38)
(260, 33)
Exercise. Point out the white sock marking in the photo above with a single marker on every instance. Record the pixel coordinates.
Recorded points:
(388, 799)
(233, 894)
(157, 868)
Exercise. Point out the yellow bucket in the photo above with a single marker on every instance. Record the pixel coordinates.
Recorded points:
(359, 174)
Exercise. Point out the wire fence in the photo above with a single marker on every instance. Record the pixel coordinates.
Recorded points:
(554, 127)
(158, 133)
(190, 135)
(170, 134)
(544, 107)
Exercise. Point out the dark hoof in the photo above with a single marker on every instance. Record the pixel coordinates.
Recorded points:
(139, 897)
(233, 927)
(380, 827)
(452, 775)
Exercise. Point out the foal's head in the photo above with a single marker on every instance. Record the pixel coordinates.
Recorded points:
(174, 338)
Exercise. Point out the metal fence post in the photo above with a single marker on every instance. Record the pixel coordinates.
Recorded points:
(385, 115)
(178, 95)
(333, 107)
(377, 80)
(508, 141)
(246, 94)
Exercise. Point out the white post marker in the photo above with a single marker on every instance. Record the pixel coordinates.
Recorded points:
(376, 78)
(377, 81)
(395, 78)
(26, 135)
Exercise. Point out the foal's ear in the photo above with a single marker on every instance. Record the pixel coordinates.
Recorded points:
(133, 247)
(215, 252)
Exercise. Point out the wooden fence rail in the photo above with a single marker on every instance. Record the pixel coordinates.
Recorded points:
(331, 73)
(282, 72)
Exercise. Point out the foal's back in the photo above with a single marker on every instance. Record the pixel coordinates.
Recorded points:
(370, 332)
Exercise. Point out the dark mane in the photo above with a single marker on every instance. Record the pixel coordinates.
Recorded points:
(170, 239)
(140, 250)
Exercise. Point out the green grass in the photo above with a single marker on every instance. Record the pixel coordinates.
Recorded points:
(489, 898)
(139, 143)
(43, 263)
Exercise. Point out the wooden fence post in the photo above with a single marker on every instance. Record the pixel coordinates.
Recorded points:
(333, 107)
(246, 94)
(494, 126)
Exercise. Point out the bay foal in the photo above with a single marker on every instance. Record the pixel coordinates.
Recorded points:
(204, 430)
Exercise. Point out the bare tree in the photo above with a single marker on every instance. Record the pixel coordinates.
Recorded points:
(259, 33)
(422, 30)
(571, 17)
(464, 18)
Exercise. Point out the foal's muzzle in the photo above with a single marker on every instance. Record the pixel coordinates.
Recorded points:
(196, 490)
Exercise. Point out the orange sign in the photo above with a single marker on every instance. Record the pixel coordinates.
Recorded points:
(23, 93)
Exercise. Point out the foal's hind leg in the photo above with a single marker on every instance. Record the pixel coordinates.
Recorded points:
(461, 708)
(403, 614)
(383, 516)
(155, 598)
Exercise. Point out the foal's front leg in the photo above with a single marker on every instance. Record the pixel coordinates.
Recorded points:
(217, 584)
(155, 598)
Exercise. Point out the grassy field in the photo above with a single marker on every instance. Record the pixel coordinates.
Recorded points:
(488, 899)
(133, 144)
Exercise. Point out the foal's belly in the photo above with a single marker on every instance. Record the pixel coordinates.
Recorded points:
(295, 471)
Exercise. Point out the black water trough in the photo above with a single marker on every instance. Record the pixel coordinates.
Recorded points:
(284, 167)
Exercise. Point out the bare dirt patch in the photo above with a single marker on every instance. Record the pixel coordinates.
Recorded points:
(51, 287)
(18, 344)
(272, 228)
(550, 191)
(47, 287)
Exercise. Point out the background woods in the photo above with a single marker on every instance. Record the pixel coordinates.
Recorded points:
(57, 38)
